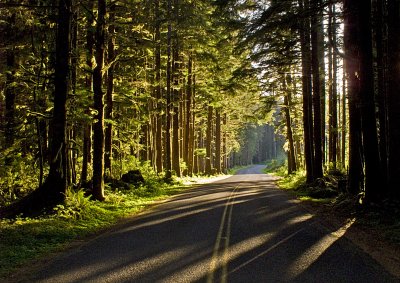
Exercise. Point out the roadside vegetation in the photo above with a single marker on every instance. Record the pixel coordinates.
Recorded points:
(328, 198)
(26, 239)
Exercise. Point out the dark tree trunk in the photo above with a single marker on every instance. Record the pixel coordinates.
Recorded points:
(87, 128)
(344, 117)
(167, 155)
(381, 83)
(318, 157)
(322, 84)
(218, 141)
(157, 69)
(373, 173)
(175, 113)
(289, 133)
(225, 165)
(307, 101)
(56, 182)
(109, 94)
(176, 78)
(333, 123)
(98, 95)
(393, 96)
(351, 31)
(189, 130)
(208, 169)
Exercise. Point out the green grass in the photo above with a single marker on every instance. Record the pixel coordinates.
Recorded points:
(276, 167)
(322, 190)
(24, 239)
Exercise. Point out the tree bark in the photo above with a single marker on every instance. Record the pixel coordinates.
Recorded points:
(333, 122)
(373, 173)
(306, 89)
(393, 96)
(289, 133)
(318, 157)
(167, 156)
(158, 95)
(351, 31)
(175, 113)
(87, 128)
(218, 141)
(188, 147)
(56, 183)
(381, 83)
(109, 93)
(208, 168)
(98, 95)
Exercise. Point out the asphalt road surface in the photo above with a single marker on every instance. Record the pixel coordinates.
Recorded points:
(240, 229)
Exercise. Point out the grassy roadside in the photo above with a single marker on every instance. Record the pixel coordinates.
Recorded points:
(24, 240)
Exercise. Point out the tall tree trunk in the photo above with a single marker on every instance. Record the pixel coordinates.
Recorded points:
(333, 124)
(351, 62)
(218, 141)
(167, 155)
(56, 182)
(176, 99)
(307, 101)
(224, 146)
(208, 168)
(318, 157)
(87, 128)
(98, 95)
(157, 69)
(322, 84)
(344, 116)
(175, 113)
(188, 147)
(373, 173)
(381, 83)
(289, 133)
(109, 93)
(393, 96)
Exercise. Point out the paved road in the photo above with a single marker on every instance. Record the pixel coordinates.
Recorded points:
(240, 229)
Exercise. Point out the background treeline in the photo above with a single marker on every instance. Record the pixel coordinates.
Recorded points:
(333, 68)
(91, 88)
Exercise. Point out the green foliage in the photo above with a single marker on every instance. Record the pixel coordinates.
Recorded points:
(293, 181)
(325, 189)
(18, 177)
(76, 205)
(277, 167)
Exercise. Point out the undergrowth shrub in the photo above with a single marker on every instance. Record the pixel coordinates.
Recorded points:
(18, 177)
(76, 205)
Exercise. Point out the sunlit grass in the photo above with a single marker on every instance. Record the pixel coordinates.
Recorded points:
(276, 167)
(315, 200)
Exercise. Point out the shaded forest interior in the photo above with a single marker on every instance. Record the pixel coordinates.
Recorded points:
(93, 89)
